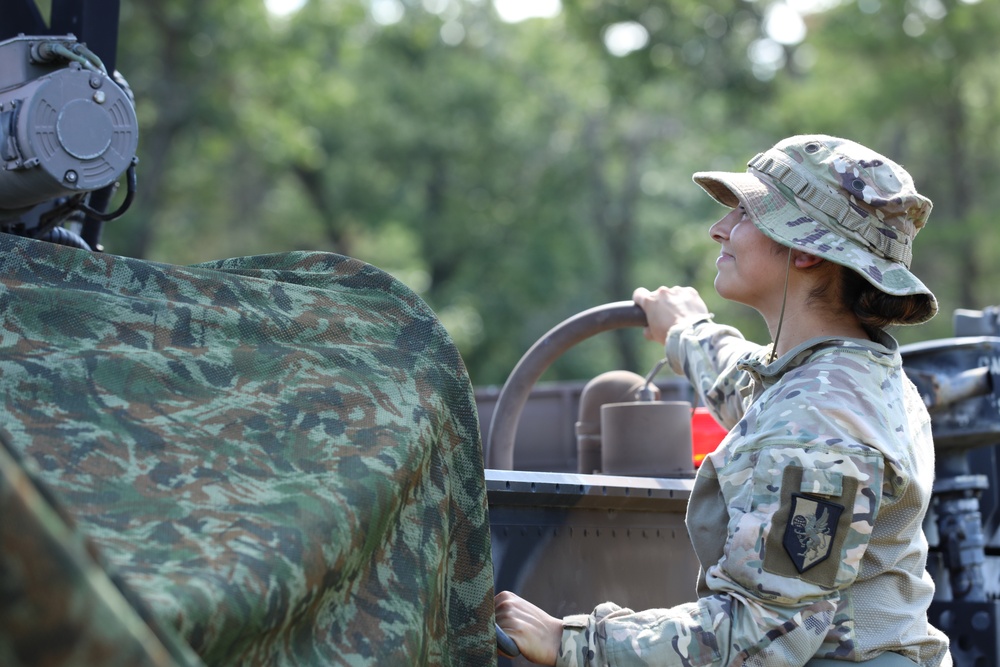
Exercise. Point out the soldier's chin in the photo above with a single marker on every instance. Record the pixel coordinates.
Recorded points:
(724, 288)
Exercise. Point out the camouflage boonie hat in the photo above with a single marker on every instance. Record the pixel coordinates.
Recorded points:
(835, 199)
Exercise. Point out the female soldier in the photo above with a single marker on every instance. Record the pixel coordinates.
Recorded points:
(807, 518)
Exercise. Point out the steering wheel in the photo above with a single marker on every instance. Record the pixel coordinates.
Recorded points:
(548, 348)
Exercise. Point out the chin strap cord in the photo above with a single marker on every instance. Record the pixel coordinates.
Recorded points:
(781, 317)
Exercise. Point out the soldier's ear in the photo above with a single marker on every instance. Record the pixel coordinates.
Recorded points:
(804, 260)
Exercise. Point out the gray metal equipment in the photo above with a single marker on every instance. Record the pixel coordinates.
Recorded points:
(67, 129)
(569, 541)
(958, 379)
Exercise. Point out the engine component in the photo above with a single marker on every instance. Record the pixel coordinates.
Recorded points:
(66, 127)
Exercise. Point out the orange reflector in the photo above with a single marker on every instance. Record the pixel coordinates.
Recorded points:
(706, 434)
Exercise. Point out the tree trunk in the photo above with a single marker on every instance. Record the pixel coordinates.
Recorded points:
(315, 187)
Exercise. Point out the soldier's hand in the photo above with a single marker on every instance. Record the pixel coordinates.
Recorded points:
(536, 633)
(666, 307)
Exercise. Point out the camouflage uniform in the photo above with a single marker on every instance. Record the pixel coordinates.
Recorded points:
(839, 493)
(268, 460)
(824, 480)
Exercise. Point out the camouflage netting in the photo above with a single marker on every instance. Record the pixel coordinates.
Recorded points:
(269, 460)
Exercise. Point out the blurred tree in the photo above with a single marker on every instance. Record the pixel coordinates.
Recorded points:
(515, 174)
(179, 61)
(919, 81)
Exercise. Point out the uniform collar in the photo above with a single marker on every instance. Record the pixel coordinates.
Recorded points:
(883, 350)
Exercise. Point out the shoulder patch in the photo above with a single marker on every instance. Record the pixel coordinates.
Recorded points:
(811, 530)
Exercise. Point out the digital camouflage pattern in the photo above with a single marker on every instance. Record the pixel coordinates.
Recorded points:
(835, 199)
(834, 422)
(277, 458)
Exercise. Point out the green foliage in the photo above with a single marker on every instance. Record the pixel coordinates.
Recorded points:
(515, 174)
(920, 80)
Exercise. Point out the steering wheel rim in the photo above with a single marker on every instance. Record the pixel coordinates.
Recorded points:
(515, 391)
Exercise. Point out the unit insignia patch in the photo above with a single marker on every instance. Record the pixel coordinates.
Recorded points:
(811, 528)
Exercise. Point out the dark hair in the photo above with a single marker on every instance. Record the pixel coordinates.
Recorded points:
(878, 310)
(875, 309)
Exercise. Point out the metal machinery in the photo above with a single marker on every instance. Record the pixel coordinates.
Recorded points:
(68, 128)
(958, 379)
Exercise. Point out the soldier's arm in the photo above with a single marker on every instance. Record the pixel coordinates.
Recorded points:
(707, 353)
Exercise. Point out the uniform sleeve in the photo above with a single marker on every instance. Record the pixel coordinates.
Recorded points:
(799, 522)
(707, 354)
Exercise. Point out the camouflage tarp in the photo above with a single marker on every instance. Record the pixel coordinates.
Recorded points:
(57, 605)
(273, 459)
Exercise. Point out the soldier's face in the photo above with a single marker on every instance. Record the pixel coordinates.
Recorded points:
(751, 266)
